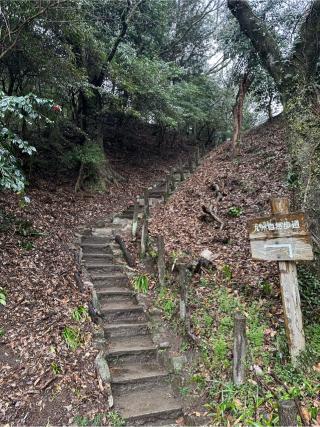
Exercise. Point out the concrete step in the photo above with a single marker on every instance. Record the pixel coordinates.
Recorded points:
(102, 268)
(97, 240)
(116, 294)
(93, 248)
(128, 350)
(137, 376)
(97, 258)
(157, 406)
(119, 330)
(123, 312)
(104, 281)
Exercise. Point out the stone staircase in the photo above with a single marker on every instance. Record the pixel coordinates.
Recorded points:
(140, 385)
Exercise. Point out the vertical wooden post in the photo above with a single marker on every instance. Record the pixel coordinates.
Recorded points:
(183, 291)
(161, 261)
(239, 349)
(168, 188)
(197, 156)
(288, 413)
(144, 237)
(146, 208)
(172, 182)
(190, 164)
(135, 219)
(290, 294)
(181, 172)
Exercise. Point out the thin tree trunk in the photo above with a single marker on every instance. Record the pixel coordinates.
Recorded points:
(237, 111)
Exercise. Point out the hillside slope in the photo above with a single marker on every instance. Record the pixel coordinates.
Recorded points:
(247, 184)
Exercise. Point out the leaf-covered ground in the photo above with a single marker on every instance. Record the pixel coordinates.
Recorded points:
(247, 184)
(42, 380)
(236, 282)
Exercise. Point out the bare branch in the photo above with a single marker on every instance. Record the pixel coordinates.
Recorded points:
(17, 31)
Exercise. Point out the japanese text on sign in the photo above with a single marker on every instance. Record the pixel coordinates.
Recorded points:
(282, 225)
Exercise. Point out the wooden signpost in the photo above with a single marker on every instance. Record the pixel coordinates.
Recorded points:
(284, 237)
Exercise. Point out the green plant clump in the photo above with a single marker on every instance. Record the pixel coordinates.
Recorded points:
(141, 284)
(3, 297)
(72, 337)
(235, 212)
(115, 419)
(80, 314)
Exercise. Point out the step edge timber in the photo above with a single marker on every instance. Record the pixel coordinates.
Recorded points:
(174, 411)
(139, 379)
(130, 351)
(137, 308)
(115, 326)
(110, 276)
(98, 255)
(104, 265)
(120, 291)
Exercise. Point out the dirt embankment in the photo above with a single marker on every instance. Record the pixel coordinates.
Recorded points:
(247, 183)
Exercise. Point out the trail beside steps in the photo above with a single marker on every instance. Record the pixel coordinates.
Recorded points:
(140, 385)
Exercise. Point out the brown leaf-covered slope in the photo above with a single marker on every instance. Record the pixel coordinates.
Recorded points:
(247, 182)
(41, 380)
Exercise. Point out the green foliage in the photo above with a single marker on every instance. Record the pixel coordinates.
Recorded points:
(157, 73)
(72, 337)
(27, 245)
(89, 154)
(80, 314)
(309, 286)
(266, 287)
(3, 297)
(25, 229)
(184, 391)
(141, 284)
(235, 212)
(56, 369)
(17, 112)
(97, 420)
(250, 404)
(227, 272)
(167, 301)
(115, 419)
(2, 332)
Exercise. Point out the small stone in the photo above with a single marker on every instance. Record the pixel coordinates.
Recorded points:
(164, 345)
(102, 368)
(178, 362)
(208, 255)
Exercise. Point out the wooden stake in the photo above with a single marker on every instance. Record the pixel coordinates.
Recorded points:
(161, 261)
(190, 164)
(135, 219)
(290, 294)
(197, 157)
(288, 413)
(183, 291)
(168, 188)
(144, 237)
(239, 348)
(181, 172)
(146, 202)
(126, 254)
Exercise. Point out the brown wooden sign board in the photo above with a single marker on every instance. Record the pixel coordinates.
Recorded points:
(280, 237)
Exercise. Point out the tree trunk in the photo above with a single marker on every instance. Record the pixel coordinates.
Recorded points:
(237, 111)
